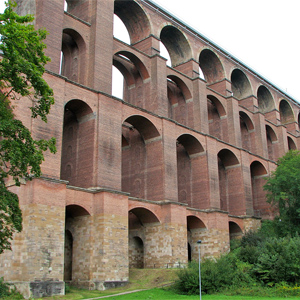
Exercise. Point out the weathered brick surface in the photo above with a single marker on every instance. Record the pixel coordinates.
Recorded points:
(136, 182)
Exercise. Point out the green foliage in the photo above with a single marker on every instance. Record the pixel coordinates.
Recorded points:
(216, 275)
(23, 61)
(188, 279)
(21, 68)
(4, 289)
(279, 261)
(258, 262)
(283, 191)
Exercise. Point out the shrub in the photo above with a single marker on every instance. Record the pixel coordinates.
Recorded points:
(216, 275)
(188, 279)
(279, 261)
(4, 288)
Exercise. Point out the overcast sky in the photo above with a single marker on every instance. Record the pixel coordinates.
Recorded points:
(263, 34)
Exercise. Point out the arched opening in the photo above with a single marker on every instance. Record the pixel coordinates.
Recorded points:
(135, 76)
(72, 56)
(230, 183)
(141, 159)
(117, 83)
(286, 112)
(201, 74)
(240, 85)
(77, 244)
(68, 256)
(291, 144)
(196, 230)
(247, 132)
(144, 236)
(77, 145)
(272, 143)
(120, 31)
(165, 54)
(265, 100)
(136, 253)
(134, 19)
(217, 120)
(211, 66)
(178, 94)
(189, 252)
(65, 5)
(235, 231)
(191, 169)
(78, 8)
(258, 174)
(177, 45)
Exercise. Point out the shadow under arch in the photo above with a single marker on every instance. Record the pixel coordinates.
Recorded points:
(77, 243)
(247, 131)
(265, 100)
(73, 56)
(143, 229)
(258, 174)
(231, 186)
(142, 70)
(135, 73)
(142, 157)
(77, 151)
(240, 84)
(78, 8)
(134, 18)
(272, 141)
(191, 168)
(286, 112)
(235, 231)
(217, 121)
(144, 126)
(191, 144)
(291, 144)
(196, 230)
(178, 104)
(211, 66)
(177, 45)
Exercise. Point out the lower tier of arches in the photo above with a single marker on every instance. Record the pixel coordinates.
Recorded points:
(91, 237)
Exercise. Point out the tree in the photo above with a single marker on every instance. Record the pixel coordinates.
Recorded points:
(22, 65)
(283, 191)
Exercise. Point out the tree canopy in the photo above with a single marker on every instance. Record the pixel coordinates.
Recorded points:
(283, 191)
(22, 65)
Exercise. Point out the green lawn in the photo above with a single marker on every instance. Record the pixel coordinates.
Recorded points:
(160, 294)
(150, 280)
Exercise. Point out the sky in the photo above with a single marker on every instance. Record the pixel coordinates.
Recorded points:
(263, 34)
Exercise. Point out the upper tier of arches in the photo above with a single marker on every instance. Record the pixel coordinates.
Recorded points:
(190, 54)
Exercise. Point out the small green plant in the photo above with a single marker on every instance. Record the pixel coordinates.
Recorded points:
(67, 288)
(7, 293)
(4, 288)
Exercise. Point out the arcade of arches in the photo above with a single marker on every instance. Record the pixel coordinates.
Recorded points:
(180, 155)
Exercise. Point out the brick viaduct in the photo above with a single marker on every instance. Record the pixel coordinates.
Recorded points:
(137, 181)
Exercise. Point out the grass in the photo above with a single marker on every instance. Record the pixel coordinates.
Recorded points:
(150, 280)
(162, 294)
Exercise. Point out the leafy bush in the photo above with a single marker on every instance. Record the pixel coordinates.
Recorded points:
(188, 279)
(7, 293)
(216, 275)
(258, 261)
(4, 289)
(279, 261)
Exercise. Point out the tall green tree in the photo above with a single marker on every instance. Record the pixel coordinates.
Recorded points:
(22, 65)
(283, 191)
